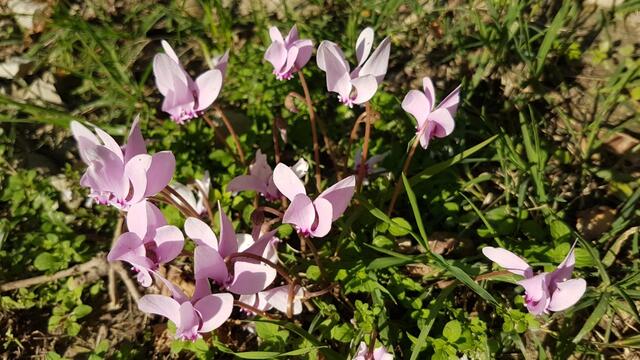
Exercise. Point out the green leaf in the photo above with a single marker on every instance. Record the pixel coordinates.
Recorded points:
(399, 227)
(81, 311)
(441, 166)
(452, 330)
(464, 278)
(45, 261)
(313, 272)
(385, 262)
(342, 333)
(434, 311)
(256, 354)
(73, 328)
(551, 34)
(594, 318)
(416, 210)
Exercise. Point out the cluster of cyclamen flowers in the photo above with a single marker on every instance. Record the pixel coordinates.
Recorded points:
(246, 265)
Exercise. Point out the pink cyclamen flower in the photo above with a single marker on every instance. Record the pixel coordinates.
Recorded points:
(544, 292)
(276, 298)
(249, 276)
(121, 176)
(380, 353)
(359, 85)
(149, 242)
(433, 121)
(287, 55)
(371, 165)
(184, 98)
(260, 177)
(192, 317)
(312, 218)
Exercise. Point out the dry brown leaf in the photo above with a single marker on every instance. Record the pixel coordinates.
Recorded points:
(591, 223)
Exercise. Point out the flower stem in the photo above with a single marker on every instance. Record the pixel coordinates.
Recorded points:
(229, 127)
(253, 309)
(185, 204)
(405, 168)
(365, 147)
(314, 131)
(353, 135)
(276, 142)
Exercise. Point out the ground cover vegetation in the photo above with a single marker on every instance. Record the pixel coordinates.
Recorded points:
(335, 180)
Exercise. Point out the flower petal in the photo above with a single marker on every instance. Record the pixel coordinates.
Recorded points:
(339, 195)
(287, 182)
(377, 64)
(366, 87)
(160, 305)
(135, 141)
(418, 105)
(567, 293)
(278, 297)
(444, 122)
(163, 165)
(200, 232)
(170, 242)
(209, 264)
(276, 54)
(429, 91)
(228, 242)
(214, 309)
(364, 45)
(300, 213)
(324, 211)
(247, 182)
(209, 85)
(508, 260)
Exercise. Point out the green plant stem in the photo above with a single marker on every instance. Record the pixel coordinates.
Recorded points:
(231, 131)
(405, 169)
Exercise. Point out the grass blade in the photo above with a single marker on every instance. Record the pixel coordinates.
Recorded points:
(416, 211)
(434, 311)
(594, 318)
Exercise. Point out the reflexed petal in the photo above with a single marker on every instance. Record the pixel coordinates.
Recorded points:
(228, 242)
(444, 122)
(337, 75)
(189, 319)
(418, 105)
(109, 143)
(292, 55)
(275, 34)
(366, 87)
(377, 64)
(169, 51)
(567, 294)
(86, 140)
(127, 245)
(278, 297)
(300, 212)
(287, 182)
(451, 101)
(564, 270)
(136, 172)
(429, 91)
(247, 182)
(163, 165)
(198, 231)
(508, 260)
(339, 195)
(176, 292)
(170, 242)
(326, 47)
(135, 141)
(209, 264)
(364, 45)
(276, 54)
(535, 286)
(214, 309)
(305, 50)
(160, 305)
(209, 85)
(292, 36)
(324, 211)
(169, 75)
(250, 276)
(143, 218)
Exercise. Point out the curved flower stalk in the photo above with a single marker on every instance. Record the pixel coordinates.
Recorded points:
(184, 98)
(287, 55)
(544, 292)
(260, 178)
(380, 353)
(247, 275)
(312, 218)
(192, 317)
(121, 176)
(149, 242)
(195, 195)
(359, 85)
(276, 298)
(433, 121)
